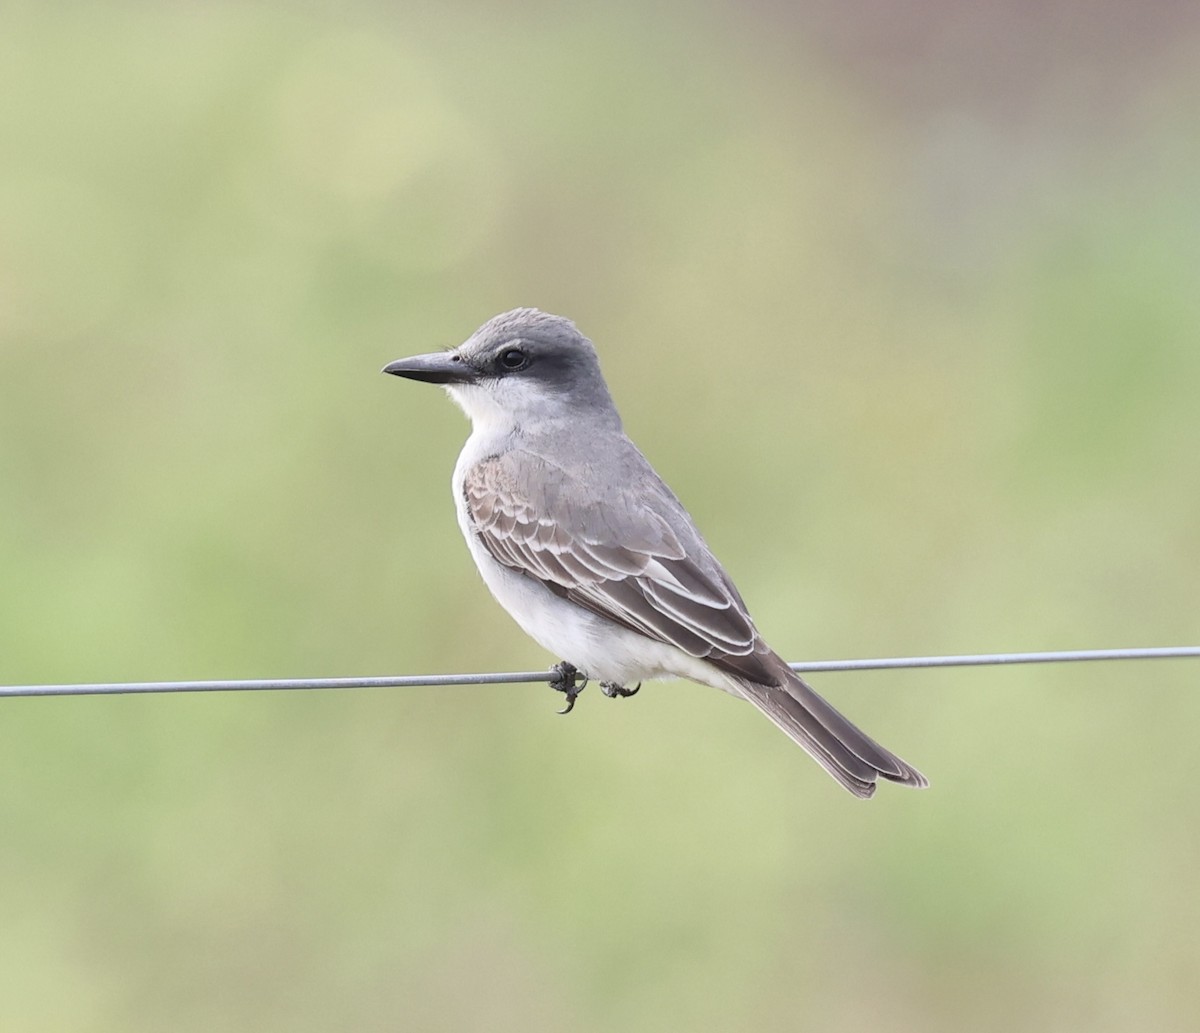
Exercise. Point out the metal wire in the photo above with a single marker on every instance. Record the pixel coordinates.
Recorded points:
(519, 677)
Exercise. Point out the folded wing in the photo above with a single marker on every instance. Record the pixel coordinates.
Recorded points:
(616, 555)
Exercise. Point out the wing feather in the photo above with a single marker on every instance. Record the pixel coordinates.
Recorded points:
(619, 557)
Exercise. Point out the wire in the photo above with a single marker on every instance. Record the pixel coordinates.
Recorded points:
(992, 659)
(520, 677)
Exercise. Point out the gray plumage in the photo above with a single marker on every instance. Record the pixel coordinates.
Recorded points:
(593, 555)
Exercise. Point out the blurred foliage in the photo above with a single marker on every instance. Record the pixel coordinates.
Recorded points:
(901, 301)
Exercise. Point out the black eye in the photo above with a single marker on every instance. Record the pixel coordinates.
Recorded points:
(513, 359)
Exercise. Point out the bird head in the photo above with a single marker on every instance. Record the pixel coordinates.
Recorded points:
(521, 367)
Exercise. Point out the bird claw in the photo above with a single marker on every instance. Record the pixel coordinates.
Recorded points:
(568, 681)
(612, 690)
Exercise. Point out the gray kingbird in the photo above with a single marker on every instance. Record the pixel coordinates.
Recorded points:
(593, 555)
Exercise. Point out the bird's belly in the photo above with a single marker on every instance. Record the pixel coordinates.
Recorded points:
(600, 648)
(570, 632)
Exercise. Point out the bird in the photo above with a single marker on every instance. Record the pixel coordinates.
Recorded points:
(594, 557)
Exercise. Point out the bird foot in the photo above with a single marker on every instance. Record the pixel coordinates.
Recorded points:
(612, 690)
(568, 681)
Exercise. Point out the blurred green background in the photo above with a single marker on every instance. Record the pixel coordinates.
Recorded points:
(901, 299)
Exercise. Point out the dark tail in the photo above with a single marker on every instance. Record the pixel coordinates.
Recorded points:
(849, 755)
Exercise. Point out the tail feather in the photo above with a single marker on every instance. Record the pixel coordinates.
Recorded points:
(847, 753)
